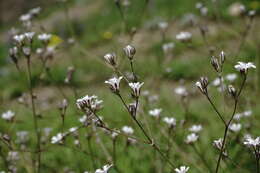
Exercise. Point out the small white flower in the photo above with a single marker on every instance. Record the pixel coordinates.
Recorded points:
(231, 77)
(218, 144)
(136, 88)
(25, 17)
(90, 102)
(247, 113)
(29, 35)
(114, 83)
(35, 11)
(163, 25)
(8, 115)
(182, 169)
(19, 38)
(243, 67)
(73, 129)
(181, 91)
(170, 121)
(238, 116)
(167, 47)
(105, 169)
(128, 130)
(155, 112)
(235, 127)
(251, 142)
(44, 37)
(191, 138)
(195, 128)
(57, 138)
(217, 82)
(13, 156)
(184, 36)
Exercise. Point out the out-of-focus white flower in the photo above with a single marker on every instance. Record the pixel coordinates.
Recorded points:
(217, 82)
(83, 119)
(73, 129)
(128, 130)
(195, 128)
(155, 112)
(238, 116)
(130, 51)
(204, 11)
(218, 144)
(251, 142)
(57, 139)
(243, 66)
(35, 11)
(191, 138)
(170, 121)
(181, 91)
(8, 115)
(25, 17)
(110, 58)
(163, 26)
(29, 35)
(247, 113)
(22, 136)
(235, 127)
(44, 37)
(182, 169)
(231, 77)
(105, 169)
(184, 36)
(168, 47)
(19, 38)
(236, 9)
(136, 88)
(114, 83)
(13, 156)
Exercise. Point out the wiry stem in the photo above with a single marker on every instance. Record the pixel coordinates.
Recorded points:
(228, 124)
(34, 116)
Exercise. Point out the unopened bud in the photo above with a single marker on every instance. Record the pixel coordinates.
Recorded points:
(132, 108)
(222, 57)
(110, 58)
(70, 72)
(232, 90)
(130, 51)
(214, 63)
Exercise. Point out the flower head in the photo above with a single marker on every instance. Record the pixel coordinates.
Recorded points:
(184, 36)
(195, 128)
(155, 112)
(191, 138)
(110, 58)
(243, 66)
(136, 88)
(251, 142)
(105, 169)
(44, 37)
(181, 91)
(202, 84)
(8, 115)
(89, 102)
(235, 127)
(128, 130)
(130, 51)
(114, 83)
(182, 169)
(57, 139)
(170, 121)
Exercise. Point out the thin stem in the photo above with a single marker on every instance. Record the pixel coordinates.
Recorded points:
(34, 115)
(132, 69)
(229, 122)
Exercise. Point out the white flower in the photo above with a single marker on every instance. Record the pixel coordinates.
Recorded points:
(136, 88)
(128, 130)
(191, 138)
(25, 17)
(130, 51)
(110, 58)
(114, 83)
(235, 127)
(73, 129)
(195, 128)
(29, 35)
(167, 47)
(155, 112)
(57, 138)
(170, 121)
(217, 82)
(231, 77)
(105, 169)
(243, 67)
(238, 116)
(251, 142)
(8, 115)
(236, 9)
(218, 144)
(182, 169)
(163, 25)
(184, 36)
(83, 119)
(247, 113)
(19, 38)
(35, 11)
(13, 156)
(90, 102)
(44, 37)
(181, 91)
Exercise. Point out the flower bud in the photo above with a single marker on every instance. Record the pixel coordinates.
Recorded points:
(214, 63)
(110, 58)
(222, 57)
(130, 51)
(232, 90)
(132, 108)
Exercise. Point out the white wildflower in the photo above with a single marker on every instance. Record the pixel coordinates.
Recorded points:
(182, 169)
(195, 128)
(155, 112)
(114, 83)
